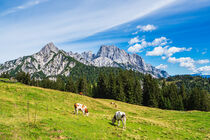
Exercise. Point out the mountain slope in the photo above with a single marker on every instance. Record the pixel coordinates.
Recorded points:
(51, 62)
(49, 115)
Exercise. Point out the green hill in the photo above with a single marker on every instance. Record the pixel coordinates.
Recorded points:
(35, 113)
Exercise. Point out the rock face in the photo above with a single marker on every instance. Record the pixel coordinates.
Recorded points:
(51, 61)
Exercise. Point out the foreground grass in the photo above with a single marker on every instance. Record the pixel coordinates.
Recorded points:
(35, 113)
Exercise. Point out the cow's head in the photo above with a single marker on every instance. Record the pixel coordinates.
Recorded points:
(86, 111)
(114, 119)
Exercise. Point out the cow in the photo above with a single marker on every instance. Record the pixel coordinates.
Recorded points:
(113, 103)
(119, 116)
(83, 108)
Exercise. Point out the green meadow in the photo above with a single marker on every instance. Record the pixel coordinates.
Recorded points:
(28, 112)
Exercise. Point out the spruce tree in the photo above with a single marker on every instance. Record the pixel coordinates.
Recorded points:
(138, 92)
(150, 92)
(183, 94)
(102, 86)
(82, 85)
(120, 90)
(60, 84)
(112, 86)
(70, 86)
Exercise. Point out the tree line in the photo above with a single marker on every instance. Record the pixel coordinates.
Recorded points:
(130, 87)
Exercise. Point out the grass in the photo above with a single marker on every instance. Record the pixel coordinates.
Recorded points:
(35, 113)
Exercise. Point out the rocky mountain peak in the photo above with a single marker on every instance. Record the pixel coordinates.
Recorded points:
(88, 55)
(110, 51)
(50, 47)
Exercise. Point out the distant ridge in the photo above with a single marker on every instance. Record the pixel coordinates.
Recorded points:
(204, 76)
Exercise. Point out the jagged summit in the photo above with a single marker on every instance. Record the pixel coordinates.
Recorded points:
(109, 51)
(50, 47)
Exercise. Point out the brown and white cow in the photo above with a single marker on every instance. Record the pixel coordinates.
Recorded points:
(119, 116)
(83, 108)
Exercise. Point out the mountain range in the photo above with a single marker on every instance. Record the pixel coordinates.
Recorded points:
(51, 61)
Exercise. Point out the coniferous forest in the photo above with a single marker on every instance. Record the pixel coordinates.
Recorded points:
(174, 93)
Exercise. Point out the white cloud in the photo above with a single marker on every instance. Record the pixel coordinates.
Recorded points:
(204, 69)
(159, 41)
(158, 51)
(143, 43)
(203, 61)
(146, 28)
(186, 62)
(161, 66)
(189, 63)
(173, 50)
(134, 40)
(166, 51)
(135, 48)
(163, 57)
(22, 7)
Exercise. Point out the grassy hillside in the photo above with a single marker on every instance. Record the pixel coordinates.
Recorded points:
(50, 116)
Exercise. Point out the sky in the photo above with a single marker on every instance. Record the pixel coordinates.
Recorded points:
(172, 35)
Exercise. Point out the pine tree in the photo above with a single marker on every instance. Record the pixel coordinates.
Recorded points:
(70, 86)
(120, 90)
(199, 100)
(150, 92)
(112, 87)
(205, 101)
(129, 90)
(183, 94)
(82, 85)
(138, 92)
(176, 100)
(27, 79)
(60, 84)
(102, 86)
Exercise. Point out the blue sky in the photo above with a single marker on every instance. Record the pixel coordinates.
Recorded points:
(170, 34)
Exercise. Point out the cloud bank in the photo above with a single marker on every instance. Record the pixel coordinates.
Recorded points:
(139, 45)
(190, 64)
(166, 51)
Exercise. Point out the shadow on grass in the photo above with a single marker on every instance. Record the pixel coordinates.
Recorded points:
(112, 124)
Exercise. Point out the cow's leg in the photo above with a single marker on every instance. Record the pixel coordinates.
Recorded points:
(75, 110)
(118, 122)
(124, 122)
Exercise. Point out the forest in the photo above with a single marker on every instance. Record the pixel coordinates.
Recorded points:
(181, 92)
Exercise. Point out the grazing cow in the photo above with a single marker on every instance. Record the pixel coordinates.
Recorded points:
(112, 103)
(81, 107)
(119, 116)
